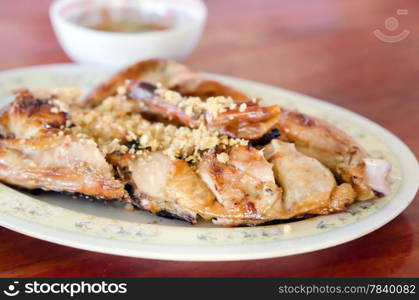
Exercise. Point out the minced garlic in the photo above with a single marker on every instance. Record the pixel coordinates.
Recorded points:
(54, 110)
(116, 125)
(242, 107)
(195, 105)
(222, 157)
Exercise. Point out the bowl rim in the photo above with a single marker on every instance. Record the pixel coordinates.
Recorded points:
(55, 16)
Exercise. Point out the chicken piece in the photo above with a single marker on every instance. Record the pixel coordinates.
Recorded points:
(252, 123)
(170, 74)
(313, 137)
(162, 185)
(243, 184)
(27, 117)
(219, 114)
(244, 188)
(309, 187)
(336, 150)
(58, 163)
(166, 187)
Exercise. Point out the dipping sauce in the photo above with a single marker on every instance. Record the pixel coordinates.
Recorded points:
(127, 23)
(127, 26)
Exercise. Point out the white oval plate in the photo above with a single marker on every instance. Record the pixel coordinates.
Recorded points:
(111, 229)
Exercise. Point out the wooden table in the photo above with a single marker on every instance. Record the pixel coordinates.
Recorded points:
(322, 48)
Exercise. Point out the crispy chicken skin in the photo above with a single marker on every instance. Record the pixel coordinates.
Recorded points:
(336, 150)
(28, 117)
(64, 164)
(167, 187)
(35, 152)
(244, 185)
(240, 192)
(170, 74)
(252, 122)
(309, 187)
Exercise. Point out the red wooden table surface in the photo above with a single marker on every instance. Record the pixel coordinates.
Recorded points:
(323, 48)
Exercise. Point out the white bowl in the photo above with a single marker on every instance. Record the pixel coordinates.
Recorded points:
(186, 20)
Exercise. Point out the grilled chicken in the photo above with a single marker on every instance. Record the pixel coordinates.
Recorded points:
(164, 186)
(309, 187)
(244, 185)
(36, 152)
(376, 173)
(58, 163)
(74, 147)
(241, 191)
(336, 150)
(171, 75)
(315, 138)
(248, 122)
(27, 117)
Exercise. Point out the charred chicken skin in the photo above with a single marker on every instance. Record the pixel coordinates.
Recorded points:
(63, 164)
(35, 153)
(171, 75)
(336, 150)
(221, 114)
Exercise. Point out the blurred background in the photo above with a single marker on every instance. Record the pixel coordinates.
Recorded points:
(324, 48)
(362, 55)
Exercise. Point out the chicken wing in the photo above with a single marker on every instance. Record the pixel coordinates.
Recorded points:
(38, 152)
(309, 187)
(220, 114)
(58, 163)
(339, 152)
(27, 116)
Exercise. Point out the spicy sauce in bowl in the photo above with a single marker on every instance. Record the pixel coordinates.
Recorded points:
(127, 20)
(128, 26)
(118, 33)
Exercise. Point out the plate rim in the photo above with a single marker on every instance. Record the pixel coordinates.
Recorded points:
(408, 165)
